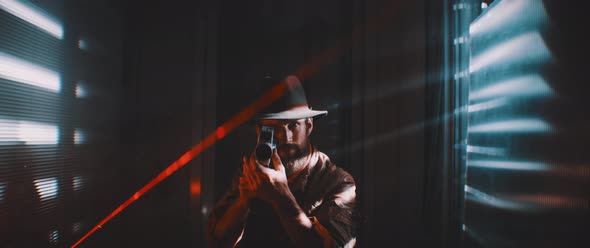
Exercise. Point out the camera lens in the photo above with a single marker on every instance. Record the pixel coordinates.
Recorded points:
(263, 152)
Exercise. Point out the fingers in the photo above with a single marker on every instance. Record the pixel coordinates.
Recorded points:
(259, 173)
(248, 176)
(246, 169)
(245, 183)
(253, 162)
(247, 190)
(244, 165)
(276, 161)
(250, 164)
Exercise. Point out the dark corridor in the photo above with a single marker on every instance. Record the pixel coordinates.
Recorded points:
(463, 122)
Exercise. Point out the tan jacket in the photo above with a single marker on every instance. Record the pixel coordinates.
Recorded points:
(325, 192)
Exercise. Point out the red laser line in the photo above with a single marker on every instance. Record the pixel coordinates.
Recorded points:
(265, 100)
(269, 97)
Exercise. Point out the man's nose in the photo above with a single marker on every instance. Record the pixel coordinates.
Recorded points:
(284, 135)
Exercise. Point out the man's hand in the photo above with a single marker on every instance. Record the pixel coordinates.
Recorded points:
(271, 185)
(247, 185)
(259, 181)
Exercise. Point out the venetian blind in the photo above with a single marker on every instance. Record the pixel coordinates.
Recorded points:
(38, 135)
(525, 181)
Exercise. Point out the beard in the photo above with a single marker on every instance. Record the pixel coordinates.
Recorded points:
(290, 152)
(293, 157)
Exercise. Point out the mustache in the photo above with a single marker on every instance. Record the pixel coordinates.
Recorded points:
(292, 152)
(285, 146)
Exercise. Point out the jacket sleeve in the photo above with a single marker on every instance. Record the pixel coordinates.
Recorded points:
(228, 199)
(333, 218)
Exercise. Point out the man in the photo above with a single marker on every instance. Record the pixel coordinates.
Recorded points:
(300, 199)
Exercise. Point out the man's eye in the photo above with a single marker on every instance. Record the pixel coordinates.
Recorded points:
(293, 124)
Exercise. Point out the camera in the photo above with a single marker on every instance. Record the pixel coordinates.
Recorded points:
(266, 143)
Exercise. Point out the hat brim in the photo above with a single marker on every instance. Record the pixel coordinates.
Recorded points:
(293, 114)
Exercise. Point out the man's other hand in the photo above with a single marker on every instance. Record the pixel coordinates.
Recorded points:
(259, 181)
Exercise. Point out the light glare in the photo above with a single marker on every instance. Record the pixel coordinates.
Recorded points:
(13, 132)
(47, 188)
(493, 151)
(18, 70)
(2, 186)
(524, 86)
(490, 200)
(528, 47)
(82, 44)
(79, 136)
(76, 227)
(77, 183)
(509, 165)
(81, 90)
(496, 103)
(37, 134)
(33, 15)
(53, 236)
(512, 126)
(507, 13)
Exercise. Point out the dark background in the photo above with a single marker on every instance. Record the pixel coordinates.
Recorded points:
(189, 66)
(164, 74)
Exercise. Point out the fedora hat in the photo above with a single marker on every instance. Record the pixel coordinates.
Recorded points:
(291, 105)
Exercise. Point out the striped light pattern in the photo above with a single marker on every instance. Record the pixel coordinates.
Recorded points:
(13, 132)
(46, 188)
(18, 70)
(33, 15)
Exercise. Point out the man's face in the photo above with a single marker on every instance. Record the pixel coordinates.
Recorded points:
(292, 136)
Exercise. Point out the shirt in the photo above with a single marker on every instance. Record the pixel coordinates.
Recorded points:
(325, 192)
